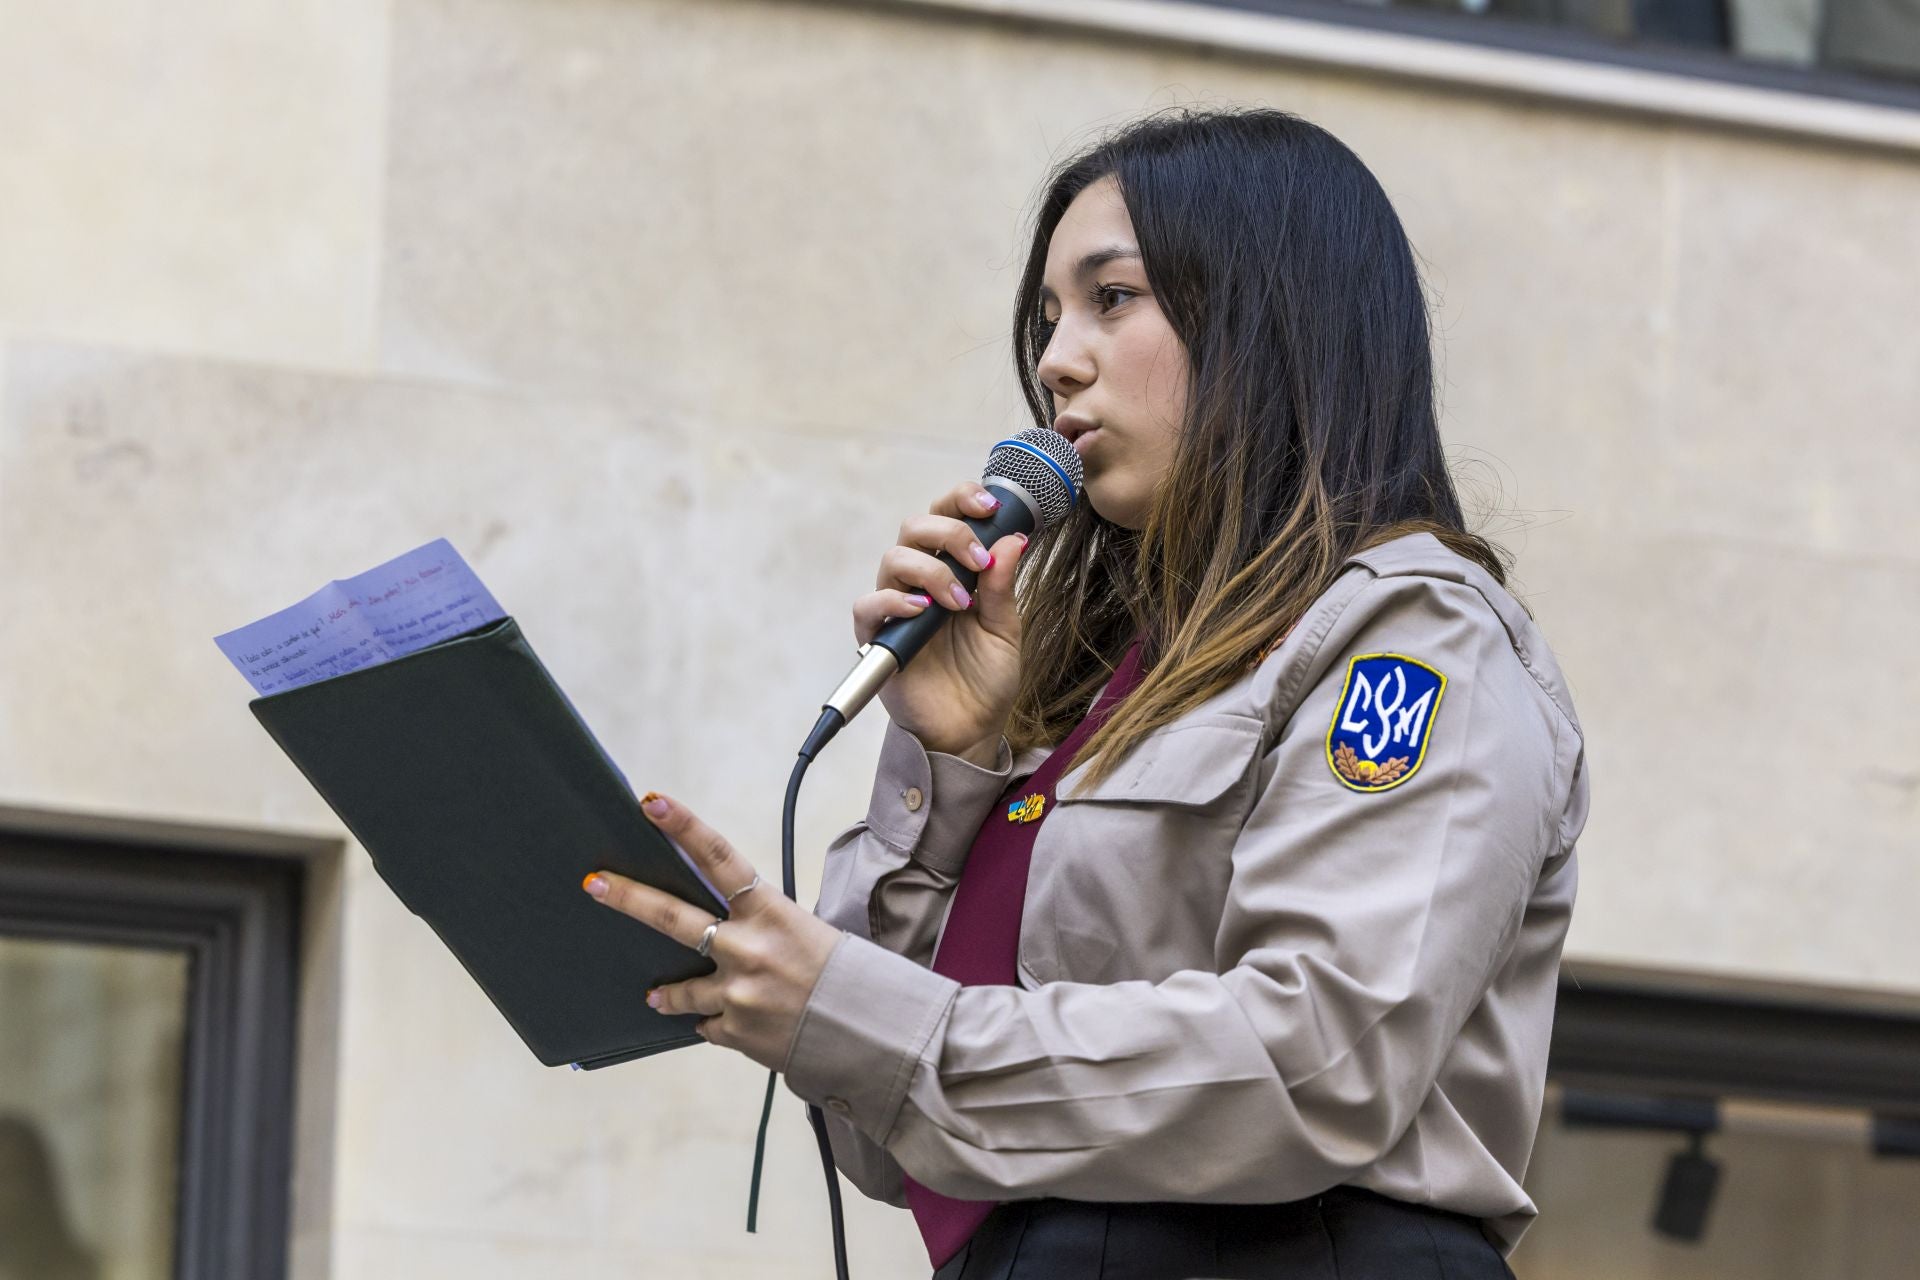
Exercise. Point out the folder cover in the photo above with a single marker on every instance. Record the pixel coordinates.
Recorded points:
(484, 800)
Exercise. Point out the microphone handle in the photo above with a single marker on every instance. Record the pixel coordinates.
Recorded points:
(903, 637)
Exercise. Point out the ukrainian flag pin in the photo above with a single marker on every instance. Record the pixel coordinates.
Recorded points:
(1027, 808)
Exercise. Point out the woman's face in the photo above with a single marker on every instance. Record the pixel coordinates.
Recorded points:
(1117, 372)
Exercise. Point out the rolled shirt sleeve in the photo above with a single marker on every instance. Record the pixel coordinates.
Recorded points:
(888, 877)
(1360, 932)
(887, 883)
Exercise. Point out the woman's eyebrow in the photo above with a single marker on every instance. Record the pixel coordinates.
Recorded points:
(1093, 262)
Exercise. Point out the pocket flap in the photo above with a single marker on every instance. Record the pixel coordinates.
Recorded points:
(1188, 762)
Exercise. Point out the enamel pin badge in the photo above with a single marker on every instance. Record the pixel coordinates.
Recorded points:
(1383, 721)
(1027, 808)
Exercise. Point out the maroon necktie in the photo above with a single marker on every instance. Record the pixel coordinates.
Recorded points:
(982, 936)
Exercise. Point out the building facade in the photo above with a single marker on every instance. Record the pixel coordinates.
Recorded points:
(620, 296)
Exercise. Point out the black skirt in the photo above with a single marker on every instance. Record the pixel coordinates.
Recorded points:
(1344, 1234)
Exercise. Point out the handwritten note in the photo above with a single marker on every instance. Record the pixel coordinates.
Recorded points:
(404, 605)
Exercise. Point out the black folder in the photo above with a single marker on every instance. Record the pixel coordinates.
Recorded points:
(484, 801)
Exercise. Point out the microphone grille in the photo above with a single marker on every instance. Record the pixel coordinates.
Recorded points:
(1044, 464)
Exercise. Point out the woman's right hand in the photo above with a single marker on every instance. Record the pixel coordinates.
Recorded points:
(956, 694)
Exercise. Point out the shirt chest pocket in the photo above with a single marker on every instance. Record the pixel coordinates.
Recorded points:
(1129, 877)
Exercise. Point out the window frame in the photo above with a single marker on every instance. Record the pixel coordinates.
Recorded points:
(238, 920)
(1516, 36)
(1618, 1031)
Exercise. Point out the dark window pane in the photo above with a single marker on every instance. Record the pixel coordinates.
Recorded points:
(1866, 50)
(91, 1041)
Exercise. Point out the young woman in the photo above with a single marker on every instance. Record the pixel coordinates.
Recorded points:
(1248, 968)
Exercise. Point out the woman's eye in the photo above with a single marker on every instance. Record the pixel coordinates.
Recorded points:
(1102, 296)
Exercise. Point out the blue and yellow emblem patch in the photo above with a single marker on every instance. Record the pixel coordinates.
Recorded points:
(1027, 808)
(1383, 721)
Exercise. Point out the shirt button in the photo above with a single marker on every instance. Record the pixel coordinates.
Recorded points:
(913, 798)
(839, 1106)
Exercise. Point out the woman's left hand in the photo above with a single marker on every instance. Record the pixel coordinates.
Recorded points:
(770, 951)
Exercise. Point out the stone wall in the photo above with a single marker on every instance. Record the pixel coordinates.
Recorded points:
(618, 295)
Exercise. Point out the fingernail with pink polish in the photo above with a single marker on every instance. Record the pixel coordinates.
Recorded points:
(922, 601)
(960, 596)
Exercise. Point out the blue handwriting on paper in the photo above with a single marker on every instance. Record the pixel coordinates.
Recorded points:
(406, 604)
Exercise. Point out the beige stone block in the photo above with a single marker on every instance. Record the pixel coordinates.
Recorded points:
(1756, 786)
(772, 213)
(1796, 379)
(194, 179)
(420, 1254)
(147, 504)
(1539, 235)
(453, 1135)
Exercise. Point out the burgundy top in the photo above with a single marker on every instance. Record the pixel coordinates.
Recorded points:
(982, 935)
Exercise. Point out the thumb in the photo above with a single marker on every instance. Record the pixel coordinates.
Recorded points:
(993, 592)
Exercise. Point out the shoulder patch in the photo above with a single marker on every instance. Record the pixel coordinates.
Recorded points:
(1383, 721)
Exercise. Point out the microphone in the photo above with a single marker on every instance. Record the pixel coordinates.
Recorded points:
(1037, 476)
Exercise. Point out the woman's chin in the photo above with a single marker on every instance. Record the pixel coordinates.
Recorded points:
(1113, 505)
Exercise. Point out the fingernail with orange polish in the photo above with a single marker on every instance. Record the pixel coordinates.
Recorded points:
(595, 884)
(655, 804)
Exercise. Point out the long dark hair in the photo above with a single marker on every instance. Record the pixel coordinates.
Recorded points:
(1310, 429)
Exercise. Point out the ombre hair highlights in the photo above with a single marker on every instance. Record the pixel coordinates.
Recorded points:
(1309, 433)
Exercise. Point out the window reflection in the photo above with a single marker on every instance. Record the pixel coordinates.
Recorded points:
(1879, 38)
(90, 1081)
(36, 1230)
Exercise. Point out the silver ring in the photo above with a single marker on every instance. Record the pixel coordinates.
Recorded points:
(751, 884)
(706, 938)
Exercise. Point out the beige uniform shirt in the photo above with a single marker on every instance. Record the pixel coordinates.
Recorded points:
(1241, 978)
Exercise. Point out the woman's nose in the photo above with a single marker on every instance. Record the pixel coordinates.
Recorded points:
(1064, 366)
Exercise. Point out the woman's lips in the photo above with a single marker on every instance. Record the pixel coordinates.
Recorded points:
(1085, 438)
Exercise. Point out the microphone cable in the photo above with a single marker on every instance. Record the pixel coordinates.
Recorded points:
(829, 724)
(1037, 476)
